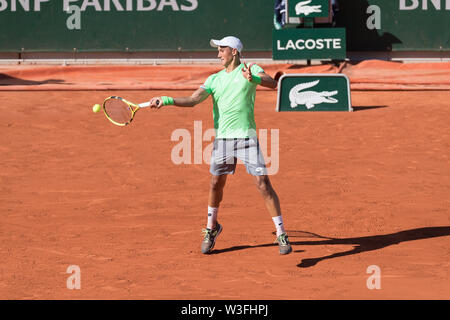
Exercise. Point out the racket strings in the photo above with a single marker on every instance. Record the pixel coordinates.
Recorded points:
(118, 111)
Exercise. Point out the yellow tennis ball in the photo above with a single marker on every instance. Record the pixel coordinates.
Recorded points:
(96, 108)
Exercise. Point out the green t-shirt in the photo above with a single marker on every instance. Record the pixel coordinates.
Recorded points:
(234, 102)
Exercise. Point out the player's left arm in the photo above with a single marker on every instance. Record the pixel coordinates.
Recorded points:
(267, 81)
(261, 78)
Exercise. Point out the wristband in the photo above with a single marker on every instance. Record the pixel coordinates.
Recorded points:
(167, 101)
(256, 79)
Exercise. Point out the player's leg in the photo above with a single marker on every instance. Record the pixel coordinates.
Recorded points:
(273, 206)
(250, 153)
(213, 228)
(216, 187)
(222, 164)
(269, 195)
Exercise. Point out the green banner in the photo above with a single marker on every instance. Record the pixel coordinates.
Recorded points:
(187, 25)
(309, 43)
(132, 25)
(308, 8)
(314, 92)
(395, 25)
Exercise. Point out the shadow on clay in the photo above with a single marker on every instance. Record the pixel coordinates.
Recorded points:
(6, 80)
(364, 108)
(361, 244)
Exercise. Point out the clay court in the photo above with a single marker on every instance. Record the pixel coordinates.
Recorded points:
(362, 188)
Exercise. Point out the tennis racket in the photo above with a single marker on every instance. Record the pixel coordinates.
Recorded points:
(120, 111)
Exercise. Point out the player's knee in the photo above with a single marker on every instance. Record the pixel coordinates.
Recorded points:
(264, 186)
(217, 183)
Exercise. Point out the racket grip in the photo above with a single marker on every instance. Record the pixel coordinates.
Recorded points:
(144, 105)
(147, 104)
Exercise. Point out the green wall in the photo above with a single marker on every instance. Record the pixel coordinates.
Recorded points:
(162, 29)
(401, 30)
(187, 25)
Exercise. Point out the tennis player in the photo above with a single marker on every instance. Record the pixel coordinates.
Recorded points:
(233, 92)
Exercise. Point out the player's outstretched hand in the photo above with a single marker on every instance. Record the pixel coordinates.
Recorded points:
(156, 103)
(246, 71)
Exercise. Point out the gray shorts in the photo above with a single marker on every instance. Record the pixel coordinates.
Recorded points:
(226, 152)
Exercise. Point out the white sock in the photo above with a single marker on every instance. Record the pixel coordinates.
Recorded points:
(278, 222)
(212, 217)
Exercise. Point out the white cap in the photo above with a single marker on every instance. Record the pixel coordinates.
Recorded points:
(229, 41)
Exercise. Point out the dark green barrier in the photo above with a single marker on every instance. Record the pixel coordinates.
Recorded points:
(404, 25)
(187, 25)
(170, 25)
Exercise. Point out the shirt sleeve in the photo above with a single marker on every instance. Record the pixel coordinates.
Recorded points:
(208, 85)
(255, 69)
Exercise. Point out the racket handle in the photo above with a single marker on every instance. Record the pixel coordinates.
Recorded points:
(144, 105)
(147, 104)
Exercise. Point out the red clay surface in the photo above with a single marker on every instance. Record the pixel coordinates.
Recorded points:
(357, 189)
(366, 75)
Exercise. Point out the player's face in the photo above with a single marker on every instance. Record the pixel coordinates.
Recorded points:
(225, 55)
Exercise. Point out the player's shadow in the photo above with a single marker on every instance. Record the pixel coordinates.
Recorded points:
(6, 80)
(360, 244)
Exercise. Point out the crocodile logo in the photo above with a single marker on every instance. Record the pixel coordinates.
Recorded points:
(310, 98)
(303, 8)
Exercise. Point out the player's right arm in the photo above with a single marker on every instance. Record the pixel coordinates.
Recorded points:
(198, 96)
